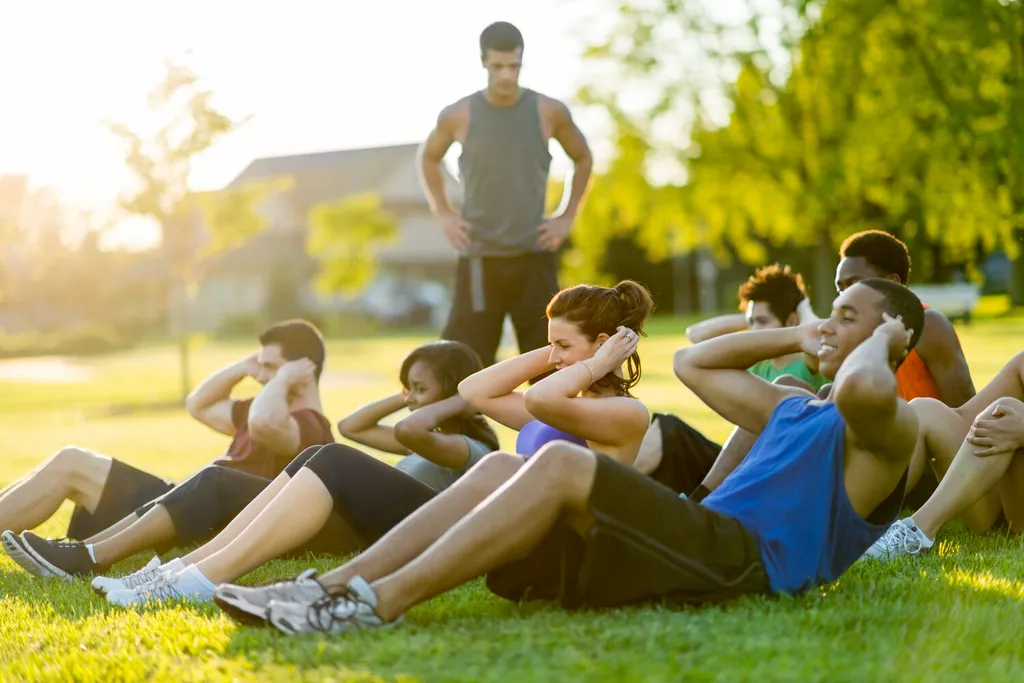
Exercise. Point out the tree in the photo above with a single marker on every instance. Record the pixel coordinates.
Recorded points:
(192, 226)
(343, 238)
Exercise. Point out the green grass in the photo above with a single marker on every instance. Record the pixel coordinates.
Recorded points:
(956, 613)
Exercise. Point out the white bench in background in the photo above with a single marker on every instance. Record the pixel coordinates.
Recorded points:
(957, 300)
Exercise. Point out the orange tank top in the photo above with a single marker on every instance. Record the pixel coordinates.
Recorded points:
(914, 379)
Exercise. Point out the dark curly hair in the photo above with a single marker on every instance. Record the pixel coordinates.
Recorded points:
(777, 286)
(886, 254)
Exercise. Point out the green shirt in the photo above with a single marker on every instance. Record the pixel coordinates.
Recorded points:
(767, 371)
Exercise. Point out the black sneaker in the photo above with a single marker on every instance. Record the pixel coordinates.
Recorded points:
(66, 559)
(19, 552)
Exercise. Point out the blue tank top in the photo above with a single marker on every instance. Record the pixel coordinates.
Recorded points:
(790, 494)
(535, 434)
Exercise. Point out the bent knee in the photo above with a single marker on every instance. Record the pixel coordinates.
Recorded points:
(72, 460)
(561, 458)
(500, 461)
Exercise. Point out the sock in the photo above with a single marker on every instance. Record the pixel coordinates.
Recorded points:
(92, 553)
(191, 582)
(925, 541)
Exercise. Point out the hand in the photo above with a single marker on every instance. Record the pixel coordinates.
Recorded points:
(554, 231)
(614, 352)
(251, 366)
(810, 337)
(456, 230)
(998, 430)
(898, 336)
(296, 372)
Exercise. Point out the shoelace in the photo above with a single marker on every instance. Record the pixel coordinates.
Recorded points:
(322, 615)
(63, 542)
(161, 588)
(901, 537)
(140, 577)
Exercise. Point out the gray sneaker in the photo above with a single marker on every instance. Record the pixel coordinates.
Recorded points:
(249, 604)
(355, 609)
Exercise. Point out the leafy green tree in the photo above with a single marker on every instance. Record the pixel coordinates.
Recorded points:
(343, 238)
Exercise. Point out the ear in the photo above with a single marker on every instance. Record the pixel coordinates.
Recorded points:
(894, 278)
(793, 320)
(602, 338)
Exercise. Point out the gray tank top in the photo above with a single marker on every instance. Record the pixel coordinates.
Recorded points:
(504, 168)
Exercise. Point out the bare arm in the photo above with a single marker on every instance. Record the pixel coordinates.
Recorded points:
(492, 391)
(432, 154)
(418, 433)
(716, 371)
(571, 138)
(271, 423)
(363, 426)
(619, 421)
(716, 327)
(940, 350)
(210, 402)
(865, 394)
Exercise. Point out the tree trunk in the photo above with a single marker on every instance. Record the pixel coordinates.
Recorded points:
(179, 330)
(823, 276)
(1016, 282)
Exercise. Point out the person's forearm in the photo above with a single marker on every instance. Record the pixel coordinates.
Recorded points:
(216, 387)
(505, 377)
(578, 188)
(370, 415)
(716, 327)
(269, 409)
(430, 417)
(433, 186)
(741, 350)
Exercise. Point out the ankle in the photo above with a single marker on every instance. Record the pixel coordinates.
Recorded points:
(389, 604)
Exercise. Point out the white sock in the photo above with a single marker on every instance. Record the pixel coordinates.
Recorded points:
(925, 541)
(191, 582)
(92, 554)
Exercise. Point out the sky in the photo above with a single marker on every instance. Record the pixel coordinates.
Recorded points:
(314, 76)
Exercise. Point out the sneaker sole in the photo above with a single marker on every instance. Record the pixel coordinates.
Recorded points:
(241, 610)
(23, 556)
(43, 563)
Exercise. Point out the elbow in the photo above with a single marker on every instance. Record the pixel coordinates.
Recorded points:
(469, 392)
(345, 428)
(192, 406)
(682, 364)
(409, 434)
(695, 335)
(537, 401)
(869, 392)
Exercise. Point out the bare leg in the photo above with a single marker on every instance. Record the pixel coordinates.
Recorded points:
(70, 474)
(155, 527)
(113, 529)
(555, 484)
(410, 538)
(241, 521)
(968, 480)
(293, 517)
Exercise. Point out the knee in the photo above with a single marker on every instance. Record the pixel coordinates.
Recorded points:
(67, 462)
(561, 460)
(500, 462)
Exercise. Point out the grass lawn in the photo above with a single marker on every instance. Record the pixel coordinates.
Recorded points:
(959, 612)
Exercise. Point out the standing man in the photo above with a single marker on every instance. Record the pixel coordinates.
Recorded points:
(506, 247)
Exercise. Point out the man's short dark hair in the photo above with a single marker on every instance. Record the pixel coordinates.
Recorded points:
(900, 301)
(778, 287)
(883, 252)
(500, 36)
(297, 339)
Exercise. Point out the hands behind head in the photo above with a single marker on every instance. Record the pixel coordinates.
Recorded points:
(615, 351)
(810, 337)
(297, 372)
(251, 366)
(998, 429)
(897, 334)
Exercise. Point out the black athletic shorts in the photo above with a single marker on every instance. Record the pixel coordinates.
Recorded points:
(686, 455)
(126, 489)
(646, 544)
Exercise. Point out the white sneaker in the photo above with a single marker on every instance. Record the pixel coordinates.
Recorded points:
(188, 584)
(250, 603)
(104, 584)
(901, 540)
(355, 609)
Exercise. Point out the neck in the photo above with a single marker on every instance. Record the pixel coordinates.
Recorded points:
(502, 100)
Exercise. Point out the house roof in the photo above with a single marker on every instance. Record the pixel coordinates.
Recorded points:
(325, 176)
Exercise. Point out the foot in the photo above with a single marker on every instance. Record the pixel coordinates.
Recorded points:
(356, 608)
(17, 551)
(104, 584)
(45, 557)
(250, 603)
(188, 584)
(901, 540)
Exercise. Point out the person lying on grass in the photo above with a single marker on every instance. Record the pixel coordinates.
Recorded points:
(267, 432)
(819, 487)
(301, 506)
(935, 368)
(447, 436)
(973, 450)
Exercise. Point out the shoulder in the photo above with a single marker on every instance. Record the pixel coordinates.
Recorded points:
(554, 109)
(937, 332)
(454, 113)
